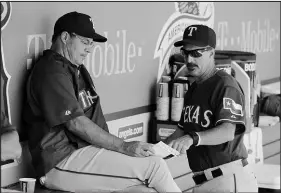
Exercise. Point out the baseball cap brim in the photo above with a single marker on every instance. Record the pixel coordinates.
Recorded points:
(99, 38)
(192, 42)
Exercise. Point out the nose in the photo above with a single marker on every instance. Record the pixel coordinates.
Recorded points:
(188, 58)
(88, 49)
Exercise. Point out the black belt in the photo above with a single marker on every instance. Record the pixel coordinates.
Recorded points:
(199, 179)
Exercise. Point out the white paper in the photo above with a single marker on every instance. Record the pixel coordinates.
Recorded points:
(163, 150)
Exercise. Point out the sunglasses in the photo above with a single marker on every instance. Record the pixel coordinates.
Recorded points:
(194, 53)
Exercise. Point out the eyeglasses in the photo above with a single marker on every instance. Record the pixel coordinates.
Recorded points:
(86, 42)
(194, 53)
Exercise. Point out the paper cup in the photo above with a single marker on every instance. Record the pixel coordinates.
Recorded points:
(163, 107)
(184, 81)
(27, 184)
(177, 105)
(178, 90)
(162, 90)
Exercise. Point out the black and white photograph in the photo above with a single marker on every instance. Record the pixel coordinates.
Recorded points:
(140, 96)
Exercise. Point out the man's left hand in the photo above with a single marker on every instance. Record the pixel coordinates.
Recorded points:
(181, 144)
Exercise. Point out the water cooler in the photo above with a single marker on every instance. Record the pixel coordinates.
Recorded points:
(170, 98)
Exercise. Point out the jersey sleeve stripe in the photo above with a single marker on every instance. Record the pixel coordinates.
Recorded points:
(231, 121)
(180, 126)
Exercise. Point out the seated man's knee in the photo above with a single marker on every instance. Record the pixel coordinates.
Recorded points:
(157, 160)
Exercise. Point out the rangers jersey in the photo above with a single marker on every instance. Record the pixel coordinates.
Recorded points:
(216, 100)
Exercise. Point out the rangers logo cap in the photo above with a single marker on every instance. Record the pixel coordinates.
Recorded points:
(78, 23)
(198, 35)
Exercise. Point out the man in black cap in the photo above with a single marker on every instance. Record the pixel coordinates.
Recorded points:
(212, 123)
(69, 141)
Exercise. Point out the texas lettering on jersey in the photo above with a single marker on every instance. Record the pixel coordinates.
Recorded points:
(86, 99)
(193, 114)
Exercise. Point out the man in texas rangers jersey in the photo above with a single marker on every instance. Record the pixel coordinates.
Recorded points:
(212, 122)
(69, 141)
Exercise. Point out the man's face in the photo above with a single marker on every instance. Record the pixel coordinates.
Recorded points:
(78, 48)
(197, 59)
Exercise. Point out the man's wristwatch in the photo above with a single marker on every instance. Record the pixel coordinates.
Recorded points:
(194, 136)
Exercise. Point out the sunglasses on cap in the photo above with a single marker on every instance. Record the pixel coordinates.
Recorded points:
(194, 53)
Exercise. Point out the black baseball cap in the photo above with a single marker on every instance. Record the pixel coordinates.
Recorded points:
(198, 35)
(78, 23)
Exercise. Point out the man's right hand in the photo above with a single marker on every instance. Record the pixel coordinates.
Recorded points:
(87, 130)
(137, 149)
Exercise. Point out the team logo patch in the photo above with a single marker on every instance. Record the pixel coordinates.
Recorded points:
(86, 99)
(234, 108)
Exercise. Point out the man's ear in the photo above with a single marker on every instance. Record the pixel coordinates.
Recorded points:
(212, 53)
(64, 37)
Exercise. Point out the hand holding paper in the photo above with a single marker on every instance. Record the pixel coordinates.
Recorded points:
(163, 150)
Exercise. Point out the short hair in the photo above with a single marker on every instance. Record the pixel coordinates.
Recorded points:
(55, 36)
